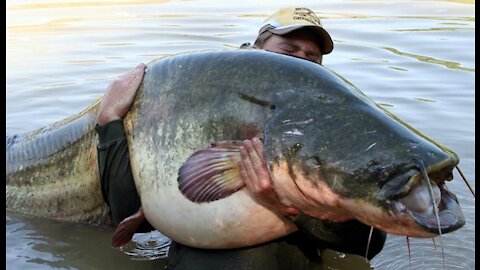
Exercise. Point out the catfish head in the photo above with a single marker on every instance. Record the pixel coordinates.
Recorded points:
(336, 155)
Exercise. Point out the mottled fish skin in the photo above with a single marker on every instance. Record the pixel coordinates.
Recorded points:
(317, 128)
(52, 172)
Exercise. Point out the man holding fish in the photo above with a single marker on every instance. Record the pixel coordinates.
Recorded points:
(295, 32)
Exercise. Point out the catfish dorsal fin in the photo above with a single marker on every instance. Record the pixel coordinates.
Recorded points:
(211, 173)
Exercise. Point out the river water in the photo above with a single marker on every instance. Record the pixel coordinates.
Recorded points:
(415, 58)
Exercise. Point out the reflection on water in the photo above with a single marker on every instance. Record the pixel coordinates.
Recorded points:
(415, 58)
(452, 65)
(147, 246)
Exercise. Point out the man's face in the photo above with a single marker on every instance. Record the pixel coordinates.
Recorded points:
(300, 43)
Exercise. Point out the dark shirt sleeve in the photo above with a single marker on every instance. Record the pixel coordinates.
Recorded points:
(118, 187)
(349, 237)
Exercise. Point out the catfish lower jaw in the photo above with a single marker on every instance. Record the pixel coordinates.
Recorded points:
(418, 206)
(450, 216)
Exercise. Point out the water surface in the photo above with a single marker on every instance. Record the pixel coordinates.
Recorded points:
(416, 58)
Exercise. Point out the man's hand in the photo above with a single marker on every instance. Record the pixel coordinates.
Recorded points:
(257, 177)
(119, 95)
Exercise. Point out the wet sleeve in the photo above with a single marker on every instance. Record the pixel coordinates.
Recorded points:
(118, 187)
(349, 237)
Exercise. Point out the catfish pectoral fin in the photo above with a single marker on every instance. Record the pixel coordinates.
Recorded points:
(125, 230)
(211, 173)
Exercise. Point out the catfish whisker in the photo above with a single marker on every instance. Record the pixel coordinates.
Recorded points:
(409, 254)
(466, 182)
(368, 243)
(435, 207)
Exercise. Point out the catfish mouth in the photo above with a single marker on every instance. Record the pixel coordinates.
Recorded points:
(417, 199)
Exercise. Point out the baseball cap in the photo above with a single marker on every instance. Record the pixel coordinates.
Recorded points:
(289, 19)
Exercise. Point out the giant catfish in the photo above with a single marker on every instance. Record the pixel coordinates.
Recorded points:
(324, 140)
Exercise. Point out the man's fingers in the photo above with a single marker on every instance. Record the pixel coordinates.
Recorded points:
(255, 152)
(137, 75)
(259, 177)
(132, 78)
(243, 174)
(249, 171)
(258, 146)
(120, 94)
(128, 76)
(252, 153)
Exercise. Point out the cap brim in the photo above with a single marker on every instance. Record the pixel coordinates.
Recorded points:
(325, 41)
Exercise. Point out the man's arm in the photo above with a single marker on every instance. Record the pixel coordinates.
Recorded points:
(117, 183)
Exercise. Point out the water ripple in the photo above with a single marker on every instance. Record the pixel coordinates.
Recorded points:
(447, 64)
(147, 246)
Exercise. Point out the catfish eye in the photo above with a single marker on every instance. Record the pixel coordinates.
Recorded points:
(313, 163)
(294, 149)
